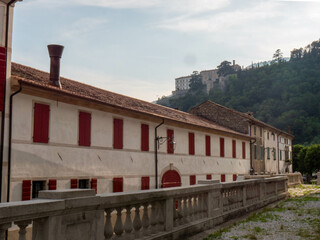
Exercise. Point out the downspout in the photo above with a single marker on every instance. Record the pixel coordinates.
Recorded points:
(156, 151)
(10, 142)
(4, 95)
(278, 152)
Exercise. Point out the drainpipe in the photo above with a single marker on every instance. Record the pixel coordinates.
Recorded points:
(156, 151)
(278, 152)
(4, 94)
(10, 142)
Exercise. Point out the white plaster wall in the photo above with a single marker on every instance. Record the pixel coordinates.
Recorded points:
(63, 159)
(271, 164)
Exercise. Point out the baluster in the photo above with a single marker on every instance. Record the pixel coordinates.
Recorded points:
(205, 206)
(22, 232)
(3, 229)
(108, 230)
(128, 223)
(118, 227)
(191, 208)
(175, 212)
(180, 213)
(201, 206)
(137, 221)
(153, 220)
(161, 216)
(184, 210)
(145, 218)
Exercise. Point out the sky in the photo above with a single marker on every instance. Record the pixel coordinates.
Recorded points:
(138, 47)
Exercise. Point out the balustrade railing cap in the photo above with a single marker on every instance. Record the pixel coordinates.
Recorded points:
(66, 193)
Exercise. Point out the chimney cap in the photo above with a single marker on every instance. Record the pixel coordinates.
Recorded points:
(55, 50)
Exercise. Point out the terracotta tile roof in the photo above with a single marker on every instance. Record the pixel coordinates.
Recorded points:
(39, 78)
(246, 116)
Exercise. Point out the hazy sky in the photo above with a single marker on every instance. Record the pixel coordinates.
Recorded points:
(138, 47)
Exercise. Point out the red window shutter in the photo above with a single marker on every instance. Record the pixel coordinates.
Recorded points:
(192, 179)
(118, 184)
(144, 137)
(223, 177)
(191, 143)
(209, 177)
(41, 123)
(234, 177)
(170, 136)
(221, 147)
(84, 129)
(243, 150)
(234, 150)
(52, 184)
(3, 66)
(145, 183)
(208, 145)
(74, 183)
(94, 184)
(26, 190)
(117, 133)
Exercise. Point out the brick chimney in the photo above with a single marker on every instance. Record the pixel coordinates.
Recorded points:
(55, 53)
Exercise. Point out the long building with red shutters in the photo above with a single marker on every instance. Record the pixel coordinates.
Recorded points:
(59, 134)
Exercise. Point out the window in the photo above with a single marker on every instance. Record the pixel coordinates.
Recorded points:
(37, 186)
(268, 135)
(170, 141)
(117, 133)
(41, 123)
(191, 143)
(52, 184)
(144, 137)
(208, 145)
(221, 147)
(234, 149)
(273, 136)
(280, 155)
(83, 183)
(26, 190)
(84, 129)
(192, 179)
(255, 130)
(243, 150)
(118, 184)
(261, 153)
(145, 183)
(74, 183)
(268, 153)
(94, 184)
(234, 177)
(209, 177)
(255, 152)
(223, 177)
(274, 154)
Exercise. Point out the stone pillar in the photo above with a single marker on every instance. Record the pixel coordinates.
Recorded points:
(168, 214)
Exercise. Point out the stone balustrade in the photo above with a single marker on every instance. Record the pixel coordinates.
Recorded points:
(294, 179)
(152, 214)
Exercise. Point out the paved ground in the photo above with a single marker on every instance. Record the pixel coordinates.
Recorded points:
(295, 218)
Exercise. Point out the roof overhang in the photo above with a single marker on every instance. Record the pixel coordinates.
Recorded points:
(8, 1)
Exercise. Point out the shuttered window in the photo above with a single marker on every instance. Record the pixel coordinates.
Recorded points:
(74, 183)
(144, 137)
(3, 66)
(118, 184)
(41, 123)
(209, 177)
(170, 138)
(234, 149)
(52, 184)
(117, 133)
(243, 150)
(145, 183)
(261, 153)
(274, 154)
(26, 190)
(255, 152)
(234, 177)
(221, 147)
(223, 177)
(192, 179)
(191, 143)
(84, 129)
(208, 145)
(268, 153)
(94, 184)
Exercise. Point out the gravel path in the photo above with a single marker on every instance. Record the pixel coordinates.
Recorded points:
(295, 218)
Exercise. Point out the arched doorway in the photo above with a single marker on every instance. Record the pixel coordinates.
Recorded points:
(171, 178)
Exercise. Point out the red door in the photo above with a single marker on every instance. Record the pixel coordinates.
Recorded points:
(171, 178)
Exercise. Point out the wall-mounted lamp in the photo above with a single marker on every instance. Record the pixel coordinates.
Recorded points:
(162, 140)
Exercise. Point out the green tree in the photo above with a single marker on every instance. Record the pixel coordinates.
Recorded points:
(196, 84)
(225, 69)
(278, 56)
